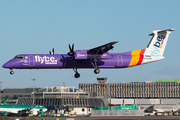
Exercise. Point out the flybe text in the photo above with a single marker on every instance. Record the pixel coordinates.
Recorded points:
(158, 45)
(160, 41)
(45, 59)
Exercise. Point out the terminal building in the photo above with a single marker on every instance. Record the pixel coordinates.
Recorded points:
(12, 94)
(51, 96)
(146, 89)
(97, 94)
(94, 95)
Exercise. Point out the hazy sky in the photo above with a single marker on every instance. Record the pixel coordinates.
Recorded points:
(35, 27)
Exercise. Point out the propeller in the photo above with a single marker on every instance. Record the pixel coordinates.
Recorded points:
(71, 53)
(52, 52)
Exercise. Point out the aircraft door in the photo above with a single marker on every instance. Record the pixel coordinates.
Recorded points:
(120, 60)
(31, 60)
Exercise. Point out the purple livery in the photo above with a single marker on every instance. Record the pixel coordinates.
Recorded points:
(96, 58)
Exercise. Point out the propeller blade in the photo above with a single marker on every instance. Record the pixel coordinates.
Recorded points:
(53, 51)
(72, 48)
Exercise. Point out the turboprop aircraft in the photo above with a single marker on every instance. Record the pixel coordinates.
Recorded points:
(96, 58)
(21, 109)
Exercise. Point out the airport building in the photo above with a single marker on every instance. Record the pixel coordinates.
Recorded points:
(51, 96)
(61, 92)
(97, 94)
(12, 94)
(92, 95)
(146, 89)
(62, 96)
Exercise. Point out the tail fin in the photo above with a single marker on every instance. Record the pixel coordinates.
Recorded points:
(158, 42)
(4, 102)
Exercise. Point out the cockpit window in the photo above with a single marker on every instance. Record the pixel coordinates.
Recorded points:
(18, 57)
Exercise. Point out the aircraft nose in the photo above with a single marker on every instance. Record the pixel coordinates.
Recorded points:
(6, 65)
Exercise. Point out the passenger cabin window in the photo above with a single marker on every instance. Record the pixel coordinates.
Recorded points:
(19, 57)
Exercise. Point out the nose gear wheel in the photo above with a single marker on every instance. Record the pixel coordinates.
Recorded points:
(11, 72)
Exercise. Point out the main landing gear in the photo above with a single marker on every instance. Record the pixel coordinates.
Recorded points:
(76, 75)
(96, 71)
(11, 72)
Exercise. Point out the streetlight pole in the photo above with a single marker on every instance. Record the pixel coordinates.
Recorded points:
(33, 88)
(1, 90)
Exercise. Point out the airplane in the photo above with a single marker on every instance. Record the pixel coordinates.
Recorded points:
(21, 109)
(169, 109)
(96, 58)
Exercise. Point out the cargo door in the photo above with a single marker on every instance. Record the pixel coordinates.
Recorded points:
(31, 60)
(120, 60)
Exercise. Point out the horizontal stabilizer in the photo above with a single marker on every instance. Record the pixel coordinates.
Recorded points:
(163, 31)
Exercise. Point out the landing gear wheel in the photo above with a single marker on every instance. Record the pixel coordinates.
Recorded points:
(11, 72)
(77, 75)
(96, 71)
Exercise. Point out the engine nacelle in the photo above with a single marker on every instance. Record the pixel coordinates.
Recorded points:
(84, 54)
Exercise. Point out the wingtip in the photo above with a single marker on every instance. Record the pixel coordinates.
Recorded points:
(173, 29)
(115, 41)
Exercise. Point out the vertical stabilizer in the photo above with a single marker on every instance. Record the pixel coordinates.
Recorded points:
(4, 102)
(158, 42)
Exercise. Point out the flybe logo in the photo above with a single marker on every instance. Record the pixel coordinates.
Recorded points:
(157, 45)
(45, 59)
(160, 41)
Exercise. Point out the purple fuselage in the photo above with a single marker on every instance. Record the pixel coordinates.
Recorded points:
(58, 61)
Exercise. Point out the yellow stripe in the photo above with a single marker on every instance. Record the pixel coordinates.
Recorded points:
(135, 57)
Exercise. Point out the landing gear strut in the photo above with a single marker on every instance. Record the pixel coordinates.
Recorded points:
(11, 72)
(76, 75)
(96, 71)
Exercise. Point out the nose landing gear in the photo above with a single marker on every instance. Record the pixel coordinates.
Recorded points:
(76, 75)
(11, 72)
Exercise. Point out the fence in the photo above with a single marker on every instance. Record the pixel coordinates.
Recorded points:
(117, 113)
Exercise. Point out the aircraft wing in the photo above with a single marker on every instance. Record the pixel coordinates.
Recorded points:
(149, 109)
(160, 110)
(13, 111)
(28, 110)
(23, 111)
(104, 48)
